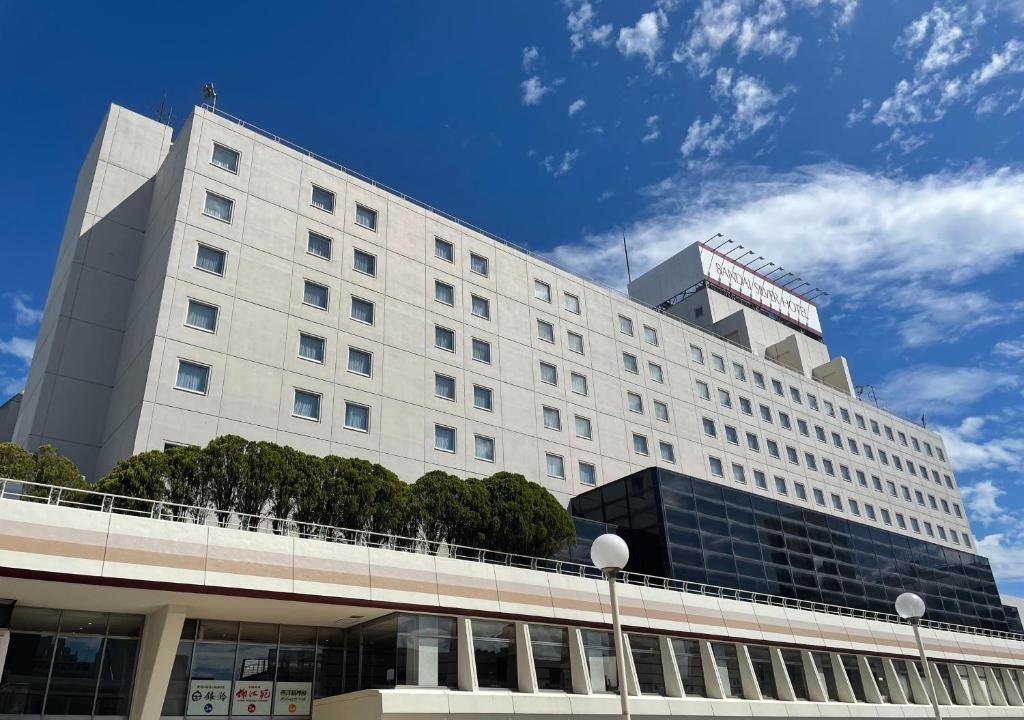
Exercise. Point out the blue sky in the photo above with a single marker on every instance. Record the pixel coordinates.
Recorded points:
(875, 148)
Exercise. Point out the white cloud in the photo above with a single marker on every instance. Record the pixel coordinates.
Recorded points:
(534, 89)
(859, 113)
(584, 30)
(24, 315)
(947, 32)
(904, 140)
(933, 316)
(937, 389)
(1013, 349)
(21, 348)
(644, 38)
(653, 133)
(1006, 553)
(557, 167)
(531, 56)
(982, 501)
(971, 447)
(576, 106)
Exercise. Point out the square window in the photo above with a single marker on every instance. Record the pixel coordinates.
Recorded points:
(481, 351)
(739, 474)
(625, 325)
(575, 342)
(588, 474)
(552, 418)
(210, 259)
(640, 444)
(572, 303)
(444, 293)
(717, 363)
(542, 291)
(703, 391)
(483, 448)
(363, 262)
(444, 438)
(696, 354)
(444, 387)
(311, 348)
(657, 375)
(660, 411)
(360, 362)
(444, 338)
(366, 217)
(548, 374)
(578, 383)
(225, 158)
(668, 453)
(361, 311)
(650, 335)
(201, 316)
(635, 403)
(583, 428)
(322, 199)
(315, 295)
(709, 427)
(479, 264)
(319, 245)
(545, 331)
(630, 363)
(555, 466)
(306, 405)
(481, 307)
(357, 417)
(218, 207)
(715, 466)
(483, 398)
(192, 377)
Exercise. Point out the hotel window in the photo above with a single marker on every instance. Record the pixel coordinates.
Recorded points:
(837, 502)
(444, 438)
(555, 466)
(578, 383)
(483, 448)
(875, 428)
(201, 316)
(545, 331)
(210, 259)
(709, 427)
(928, 529)
(319, 245)
(703, 391)
(844, 473)
(668, 453)
(650, 335)
(483, 398)
(640, 444)
(583, 428)
(780, 486)
(444, 338)
(572, 303)
(906, 493)
(801, 426)
(548, 373)
(773, 447)
(322, 199)
(625, 325)
(837, 440)
(739, 474)
(588, 476)
(766, 413)
(844, 414)
(794, 393)
(860, 421)
(753, 443)
(481, 307)
(919, 496)
(630, 363)
(660, 411)
(862, 479)
(758, 379)
(542, 291)
(360, 362)
(479, 265)
(218, 207)
(819, 496)
(888, 433)
(724, 399)
(315, 295)
(696, 354)
(192, 377)
(957, 511)
(717, 363)
(364, 262)
(715, 466)
(738, 372)
(306, 405)
(635, 403)
(915, 525)
(444, 250)
(575, 342)
(812, 401)
(869, 511)
(829, 409)
(361, 311)
(366, 217)
(901, 521)
(760, 479)
(891, 486)
(357, 417)
(444, 293)
(311, 348)
(876, 483)
(745, 407)
(225, 158)
(854, 507)
(444, 387)
(827, 467)
(656, 373)
(731, 436)
(777, 388)
(886, 516)
(481, 351)
(791, 455)
(819, 433)
(552, 418)
(784, 421)
(800, 491)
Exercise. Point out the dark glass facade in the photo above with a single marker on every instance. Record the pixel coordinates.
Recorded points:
(690, 529)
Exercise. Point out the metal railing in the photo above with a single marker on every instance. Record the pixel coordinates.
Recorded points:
(17, 490)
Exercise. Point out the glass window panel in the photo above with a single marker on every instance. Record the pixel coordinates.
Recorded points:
(479, 264)
(599, 654)
(541, 290)
(444, 386)
(218, 206)
(761, 660)
(306, 405)
(311, 348)
(444, 438)
(322, 199)
(444, 338)
(366, 217)
(360, 362)
(27, 667)
(76, 666)
(728, 669)
(116, 674)
(579, 383)
(225, 157)
(691, 667)
(482, 397)
(481, 307)
(316, 295)
(177, 688)
(192, 377)
(823, 664)
(853, 673)
(481, 350)
(551, 657)
(572, 303)
(878, 673)
(588, 474)
(201, 316)
(357, 417)
(319, 245)
(444, 293)
(646, 654)
(494, 648)
(793, 659)
(364, 262)
(210, 259)
(483, 448)
(555, 466)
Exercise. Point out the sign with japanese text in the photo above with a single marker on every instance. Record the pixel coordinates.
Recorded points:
(209, 697)
(252, 697)
(293, 698)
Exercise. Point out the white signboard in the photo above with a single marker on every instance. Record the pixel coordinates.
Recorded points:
(292, 698)
(733, 277)
(252, 697)
(209, 697)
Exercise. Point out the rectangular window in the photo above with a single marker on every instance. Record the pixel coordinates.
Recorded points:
(218, 207)
(584, 429)
(444, 387)
(745, 407)
(886, 517)
(444, 293)
(724, 398)
(766, 413)
(578, 383)
(709, 427)
(869, 510)
(210, 259)
(777, 387)
(915, 525)
(444, 338)
(357, 417)
(657, 375)
(764, 673)
(728, 669)
(784, 421)
(360, 362)
(800, 491)
(572, 303)
(366, 217)
(640, 444)
(844, 414)
(316, 296)
(319, 245)
(322, 199)
(192, 377)
(696, 354)
(810, 461)
(481, 351)
(650, 335)
(545, 331)
(773, 447)
(479, 264)
(828, 467)
(812, 401)
(691, 667)
(481, 307)
(794, 394)
(758, 379)
(801, 426)
(548, 374)
(738, 474)
(444, 250)
(361, 311)
(703, 391)
(660, 411)
(575, 342)
(819, 497)
(630, 363)
(854, 507)
(753, 443)
(731, 436)
(225, 158)
(715, 466)
(201, 316)
(791, 455)
(668, 453)
(542, 291)
(588, 476)
(444, 438)
(717, 363)
(483, 448)
(306, 405)
(837, 502)
(365, 263)
(483, 398)
(625, 325)
(552, 418)
(901, 521)
(555, 466)
(311, 348)
(635, 403)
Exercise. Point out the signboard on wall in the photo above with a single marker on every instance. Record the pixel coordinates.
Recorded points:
(252, 697)
(209, 697)
(293, 698)
(734, 278)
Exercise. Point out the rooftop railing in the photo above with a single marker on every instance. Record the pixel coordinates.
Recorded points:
(16, 490)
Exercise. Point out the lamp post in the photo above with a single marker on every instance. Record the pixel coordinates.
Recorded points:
(911, 607)
(610, 554)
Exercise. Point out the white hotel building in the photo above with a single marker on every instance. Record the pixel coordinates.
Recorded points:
(222, 281)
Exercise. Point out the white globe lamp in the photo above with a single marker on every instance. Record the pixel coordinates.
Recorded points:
(910, 606)
(609, 553)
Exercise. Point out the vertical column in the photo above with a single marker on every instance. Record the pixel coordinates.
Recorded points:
(578, 664)
(783, 684)
(867, 679)
(843, 686)
(712, 680)
(748, 680)
(897, 696)
(422, 657)
(816, 688)
(526, 671)
(467, 659)
(670, 668)
(160, 636)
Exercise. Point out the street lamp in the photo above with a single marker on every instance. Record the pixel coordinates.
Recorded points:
(911, 607)
(610, 554)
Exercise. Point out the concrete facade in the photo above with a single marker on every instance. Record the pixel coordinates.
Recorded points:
(102, 384)
(9, 417)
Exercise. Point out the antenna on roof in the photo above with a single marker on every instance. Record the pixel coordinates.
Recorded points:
(625, 249)
(163, 113)
(209, 93)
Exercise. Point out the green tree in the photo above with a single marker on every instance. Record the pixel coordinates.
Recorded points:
(451, 509)
(227, 468)
(52, 468)
(142, 476)
(188, 485)
(286, 486)
(526, 518)
(267, 463)
(313, 501)
(16, 463)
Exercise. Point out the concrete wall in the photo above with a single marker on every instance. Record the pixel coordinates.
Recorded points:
(9, 417)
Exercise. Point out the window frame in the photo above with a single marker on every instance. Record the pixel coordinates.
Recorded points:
(323, 348)
(224, 258)
(313, 187)
(319, 404)
(373, 310)
(344, 420)
(348, 366)
(455, 438)
(216, 315)
(238, 157)
(373, 258)
(231, 207)
(206, 385)
(373, 213)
